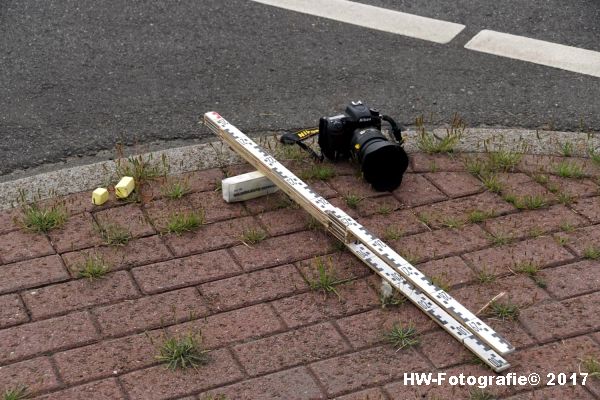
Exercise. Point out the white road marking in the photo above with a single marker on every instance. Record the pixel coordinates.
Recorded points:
(537, 51)
(381, 19)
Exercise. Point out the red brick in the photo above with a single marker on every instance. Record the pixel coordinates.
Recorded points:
(215, 208)
(534, 222)
(572, 279)
(520, 290)
(311, 307)
(31, 273)
(129, 217)
(452, 270)
(344, 265)
(160, 211)
(291, 384)
(12, 311)
(323, 189)
(572, 187)
(562, 356)
(369, 327)
(19, 245)
(340, 202)
(185, 271)
(543, 252)
(512, 331)
(274, 201)
(589, 207)
(441, 243)
(455, 184)
(9, 220)
(554, 392)
(443, 350)
(422, 162)
(102, 390)
(48, 335)
(259, 286)
(286, 220)
(290, 348)
(211, 236)
(76, 203)
(366, 368)
(548, 163)
(415, 190)
(77, 233)
(202, 181)
(63, 297)
(583, 238)
(150, 312)
(36, 374)
(521, 186)
(349, 184)
(108, 358)
(158, 383)
(224, 328)
(136, 252)
(563, 319)
(402, 222)
(282, 249)
(369, 394)
(377, 205)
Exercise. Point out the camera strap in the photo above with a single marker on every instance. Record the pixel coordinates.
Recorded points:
(298, 137)
(396, 130)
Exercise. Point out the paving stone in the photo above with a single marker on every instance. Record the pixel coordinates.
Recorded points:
(211, 236)
(229, 327)
(457, 211)
(129, 217)
(451, 270)
(283, 249)
(456, 184)
(314, 306)
(185, 271)
(36, 374)
(521, 186)
(161, 211)
(349, 184)
(548, 163)
(323, 189)
(369, 328)
(562, 319)
(534, 222)
(378, 205)
(136, 252)
(20, 245)
(415, 190)
(572, 279)
(572, 187)
(588, 207)
(9, 220)
(440, 243)
(63, 297)
(157, 383)
(368, 394)
(342, 265)
(215, 208)
(107, 389)
(291, 384)
(108, 358)
(369, 367)
(34, 338)
(340, 202)
(554, 392)
(542, 251)
(512, 331)
(150, 312)
(32, 273)
(290, 348)
(423, 162)
(443, 350)
(582, 239)
(77, 233)
(284, 221)
(12, 311)
(258, 286)
(395, 224)
(270, 202)
(202, 181)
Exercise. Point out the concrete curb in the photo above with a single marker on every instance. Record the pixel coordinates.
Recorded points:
(216, 154)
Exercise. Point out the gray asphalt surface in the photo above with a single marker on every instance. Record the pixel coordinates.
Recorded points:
(78, 76)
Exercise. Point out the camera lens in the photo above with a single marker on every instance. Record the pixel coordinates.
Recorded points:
(382, 162)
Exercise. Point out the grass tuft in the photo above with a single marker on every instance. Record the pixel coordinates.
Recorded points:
(531, 269)
(485, 277)
(94, 267)
(440, 282)
(503, 160)
(253, 236)
(568, 170)
(352, 200)
(480, 394)
(592, 253)
(322, 172)
(326, 280)
(491, 182)
(505, 311)
(401, 337)
(591, 365)
(176, 189)
(566, 149)
(113, 234)
(185, 222)
(454, 223)
(184, 352)
(140, 168)
(392, 233)
(500, 239)
(43, 219)
(476, 216)
(385, 209)
(430, 143)
(17, 393)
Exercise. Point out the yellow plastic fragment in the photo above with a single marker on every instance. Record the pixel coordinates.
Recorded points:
(124, 187)
(99, 196)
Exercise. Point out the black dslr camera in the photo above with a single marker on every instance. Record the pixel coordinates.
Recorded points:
(357, 134)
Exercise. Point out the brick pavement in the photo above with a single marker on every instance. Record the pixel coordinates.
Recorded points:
(270, 336)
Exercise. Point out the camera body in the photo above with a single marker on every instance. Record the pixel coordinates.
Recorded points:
(357, 134)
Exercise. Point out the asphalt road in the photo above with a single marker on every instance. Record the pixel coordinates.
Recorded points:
(76, 76)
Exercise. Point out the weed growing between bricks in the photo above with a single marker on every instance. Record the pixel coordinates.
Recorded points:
(113, 234)
(179, 223)
(17, 393)
(93, 267)
(402, 336)
(326, 279)
(183, 352)
(41, 219)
